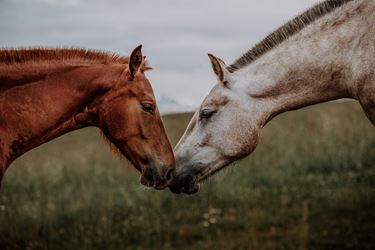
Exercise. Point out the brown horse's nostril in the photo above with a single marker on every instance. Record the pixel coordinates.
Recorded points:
(169, 175)
(149, 174)
(147, 178)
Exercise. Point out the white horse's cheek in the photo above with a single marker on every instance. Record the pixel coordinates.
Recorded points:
(233, 137)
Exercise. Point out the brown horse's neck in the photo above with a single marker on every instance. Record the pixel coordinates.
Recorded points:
(40, 102)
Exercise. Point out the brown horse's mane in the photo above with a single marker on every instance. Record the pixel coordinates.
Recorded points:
(10, 57)
(23, 55)
(286, 31)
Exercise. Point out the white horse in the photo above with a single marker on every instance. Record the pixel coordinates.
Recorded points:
(327, 53)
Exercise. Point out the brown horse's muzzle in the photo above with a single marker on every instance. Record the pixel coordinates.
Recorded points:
(152, 178)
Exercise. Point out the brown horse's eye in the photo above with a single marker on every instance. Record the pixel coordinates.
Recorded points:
(148, 108)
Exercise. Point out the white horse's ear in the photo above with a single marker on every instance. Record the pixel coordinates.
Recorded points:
(220, 68)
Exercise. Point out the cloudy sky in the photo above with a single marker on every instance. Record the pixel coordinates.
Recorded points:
(176, 34)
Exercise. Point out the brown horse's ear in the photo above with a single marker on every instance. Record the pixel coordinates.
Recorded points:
(219, 68)
(135, 62)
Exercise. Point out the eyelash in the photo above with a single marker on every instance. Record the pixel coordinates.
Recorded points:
(206, 114)
(148, 108)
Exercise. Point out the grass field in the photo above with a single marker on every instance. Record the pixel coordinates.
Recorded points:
(310, 184)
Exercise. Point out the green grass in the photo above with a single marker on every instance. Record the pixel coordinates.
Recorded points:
(310, 184)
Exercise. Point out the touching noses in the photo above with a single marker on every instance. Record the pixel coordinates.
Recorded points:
(157, 179)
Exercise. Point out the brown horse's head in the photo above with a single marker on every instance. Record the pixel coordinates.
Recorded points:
(128, 116)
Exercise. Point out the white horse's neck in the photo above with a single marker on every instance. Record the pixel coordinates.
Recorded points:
(305, 69)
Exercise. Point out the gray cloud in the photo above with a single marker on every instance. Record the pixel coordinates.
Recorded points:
(176, 34)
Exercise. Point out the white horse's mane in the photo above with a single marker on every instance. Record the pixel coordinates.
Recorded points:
(285, 31)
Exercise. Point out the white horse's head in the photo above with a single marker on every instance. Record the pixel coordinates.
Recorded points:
(224, 129)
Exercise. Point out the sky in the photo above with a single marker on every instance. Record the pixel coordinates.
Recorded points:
(176, 34)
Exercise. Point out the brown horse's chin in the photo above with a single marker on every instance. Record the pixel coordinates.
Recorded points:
(149, 177)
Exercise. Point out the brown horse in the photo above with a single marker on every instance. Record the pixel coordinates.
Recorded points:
(45, 93)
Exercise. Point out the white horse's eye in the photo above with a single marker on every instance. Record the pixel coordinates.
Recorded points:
(206, 113)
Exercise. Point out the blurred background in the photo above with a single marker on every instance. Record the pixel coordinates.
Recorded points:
(309, 185)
